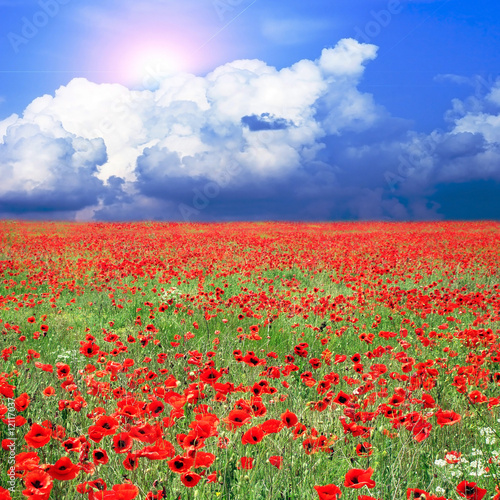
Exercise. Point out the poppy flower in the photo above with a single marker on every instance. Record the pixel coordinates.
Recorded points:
(48, 391)
(210, 376)
(27, 461)
(416, 493)
(470, 491)
(131, 461)
(63, 470)
(72, 444)
(160, 451)
(146, 433)
(253, 435)
(190, 479)
(7, 444)
(277, 461)
(236, 419)
(4, 494)
(100, 456)
(156, 408)
(180, 464)
(22, 402)
(38, 436)
(341, 398)
(108, 424)
(476, 397)
(122, 442)
(192, 441)
(126, 491)
(272, 426)
(447, 417)
(38, 485)
(328, 492)
(246, 463)
(357, 478)
(203, 459)
(289, 419)
(364, 449)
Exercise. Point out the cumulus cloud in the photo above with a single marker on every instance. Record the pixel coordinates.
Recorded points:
(44, 168)
(246, 141)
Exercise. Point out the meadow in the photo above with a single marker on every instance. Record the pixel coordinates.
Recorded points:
(353, 361)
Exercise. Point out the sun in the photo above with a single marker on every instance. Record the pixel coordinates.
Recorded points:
(148, 66)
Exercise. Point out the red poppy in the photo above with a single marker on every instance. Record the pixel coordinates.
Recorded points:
(203, 459)
(416, 493)
(38, 436)
(180, 464)
(22, 402)
(156, 408)
(38, 485)
(253, 435)
(357, 478)
(328, 492)
(122, 442)
(131, 461)
(160, 451)
(476, 397)
(190, 479)
(341, 398)
(210, 376)
(447, 417)
(100, 456)
(277, 461)
(289, 419)
(125, 491)
(272, 426)
(109, 424)
(246, 463)
(49, 391)
(63, 470)
(4, 494)
(470, 491)
(146, 433)
(236, 419)
(72, 444)
(26, 461)
(364, 449)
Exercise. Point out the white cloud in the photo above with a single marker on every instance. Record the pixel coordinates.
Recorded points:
(191, 126)
(246, 127)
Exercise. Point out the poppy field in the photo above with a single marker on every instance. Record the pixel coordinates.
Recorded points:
(353, 361)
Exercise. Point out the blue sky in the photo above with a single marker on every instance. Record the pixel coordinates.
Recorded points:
(242, 109)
